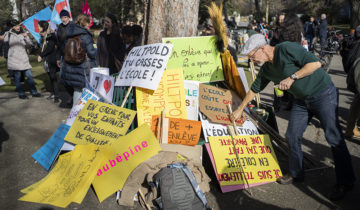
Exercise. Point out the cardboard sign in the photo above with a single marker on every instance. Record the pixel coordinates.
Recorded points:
(169, 95)
(104, 85)
(256, 158)
(144, 66)
(121, 158)
(192, 99)
(213, 103)
(213, 129)
(70, 179)
(99, 123)
(228, 188)
(75, 110)
(46, 155)
(180, 131)
(197, 56)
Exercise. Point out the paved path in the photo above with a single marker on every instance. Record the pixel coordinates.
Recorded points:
(25, 125)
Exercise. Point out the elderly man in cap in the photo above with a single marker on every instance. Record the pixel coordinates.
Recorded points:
(296, 70)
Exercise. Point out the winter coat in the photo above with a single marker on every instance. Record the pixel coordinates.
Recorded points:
(18, 58)
(353, 77)
(111, 51)
(76, 75)
(309, 29)
(49, 54)
(323, 28)
(61, 37)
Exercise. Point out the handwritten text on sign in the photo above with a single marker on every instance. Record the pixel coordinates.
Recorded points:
(213, 129)
(256, 158)
(122, 157)
(192, 99)
(99, 123)
(144, 66)
(170, 95)
(213, 103)
(104, 85)
(180, 131)
(197, 56)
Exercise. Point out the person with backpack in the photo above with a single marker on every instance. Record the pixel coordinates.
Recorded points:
(79, 56)
(18, 59)
(48, 54)
(111, 48)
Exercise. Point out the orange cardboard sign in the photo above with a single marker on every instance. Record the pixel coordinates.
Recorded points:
(213, 102)
(180, 131)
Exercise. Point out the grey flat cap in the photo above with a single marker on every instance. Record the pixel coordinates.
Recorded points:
(255, 41)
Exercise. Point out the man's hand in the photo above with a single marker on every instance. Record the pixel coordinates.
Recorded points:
(39, 59)
(236, 115)
(286, 84)
(58, 63)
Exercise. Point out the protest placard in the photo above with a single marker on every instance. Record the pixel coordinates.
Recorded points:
(100, 123)
(46, 155)
(228, 188)
(243, 78)
(197, 56)
(2, 82)
(70, 179)
(214, 129)
(75, 110)
(257, 159)
(103, 85)
(170, 95)
(122, 157)
(144, 66)
(180, 131)
(213, 102)
(192, 99)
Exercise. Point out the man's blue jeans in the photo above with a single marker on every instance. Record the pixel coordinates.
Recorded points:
(324, 106)
(28, 74)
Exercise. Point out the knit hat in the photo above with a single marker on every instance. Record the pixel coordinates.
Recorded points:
(255, 41)
(64, 13)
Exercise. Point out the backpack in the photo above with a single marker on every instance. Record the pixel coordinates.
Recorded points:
(74, 52)
(179, 189)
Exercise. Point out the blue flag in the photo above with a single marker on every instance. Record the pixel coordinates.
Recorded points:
(46, 155)
(32, 23)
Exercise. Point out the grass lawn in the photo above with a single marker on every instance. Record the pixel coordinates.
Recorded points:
(40, 76)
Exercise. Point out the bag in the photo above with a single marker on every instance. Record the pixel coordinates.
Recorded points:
(6, 46)
(176, 185)
(74, 52)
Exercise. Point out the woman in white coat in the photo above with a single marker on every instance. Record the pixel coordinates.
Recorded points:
(18, 59)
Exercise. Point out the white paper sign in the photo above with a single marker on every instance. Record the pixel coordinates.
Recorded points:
(85, 96)
(213, 129)
(192, 99)
(2, 82)
(144, 66)
(100, 70)
(103, 85)
(243, 78)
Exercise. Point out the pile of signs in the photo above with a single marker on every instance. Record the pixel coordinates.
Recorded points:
(169, 105)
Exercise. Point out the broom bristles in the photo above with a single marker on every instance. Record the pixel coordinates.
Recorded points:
(218, 23)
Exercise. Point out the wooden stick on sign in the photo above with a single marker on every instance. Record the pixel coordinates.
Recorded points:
(159, 130)
(233, 132)
(164, 128)
(126, 96)
(143, 198)
(252, 70)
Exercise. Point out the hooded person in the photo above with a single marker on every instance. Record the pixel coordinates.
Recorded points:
(111, 48)
(75, 76)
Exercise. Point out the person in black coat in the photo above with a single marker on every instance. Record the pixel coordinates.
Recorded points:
(75, 77)
(111, 48)
(323, 31)
(49, 54)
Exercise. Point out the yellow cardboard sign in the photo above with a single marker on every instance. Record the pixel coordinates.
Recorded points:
(256, 158)
(122, 157)
(70, 179)
(169, 95)
(100, 123)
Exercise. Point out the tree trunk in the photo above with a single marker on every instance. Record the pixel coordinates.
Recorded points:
(257, 9)
(172, 18)
(225, 11)
(355, 13)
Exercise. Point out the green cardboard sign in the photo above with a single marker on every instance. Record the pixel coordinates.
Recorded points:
(197, 56)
